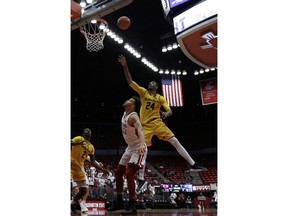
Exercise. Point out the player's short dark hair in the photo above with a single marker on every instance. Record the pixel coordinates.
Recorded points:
(87, 129)
(137, 103)
(156, 83)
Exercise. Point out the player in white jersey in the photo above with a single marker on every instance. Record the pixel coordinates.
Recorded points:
(134, 157)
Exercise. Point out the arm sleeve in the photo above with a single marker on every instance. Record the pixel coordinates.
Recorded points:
(140, 90)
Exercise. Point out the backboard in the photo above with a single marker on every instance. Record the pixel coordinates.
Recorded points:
(97, 9)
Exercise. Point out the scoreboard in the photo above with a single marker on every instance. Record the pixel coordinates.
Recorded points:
(195, 27)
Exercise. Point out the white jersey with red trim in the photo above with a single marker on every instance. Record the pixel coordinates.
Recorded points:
(129, 132)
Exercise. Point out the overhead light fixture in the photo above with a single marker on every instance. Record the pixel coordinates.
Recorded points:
(174, 46)
(173, 72)
(149, 64)
(134, 52)
(170, 47)
(202, 70)
(164, 49)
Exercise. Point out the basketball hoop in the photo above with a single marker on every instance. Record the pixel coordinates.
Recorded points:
(94, 32)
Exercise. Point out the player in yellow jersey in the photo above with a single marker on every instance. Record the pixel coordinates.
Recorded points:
(152, 121)
(81, 148)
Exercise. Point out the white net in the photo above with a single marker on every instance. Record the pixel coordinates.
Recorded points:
(94, 32)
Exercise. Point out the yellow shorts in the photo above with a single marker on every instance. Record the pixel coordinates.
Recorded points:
(158, 128)
(77, 172)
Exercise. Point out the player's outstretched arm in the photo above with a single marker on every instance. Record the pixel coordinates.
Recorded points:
(123, 62)
(97, 165)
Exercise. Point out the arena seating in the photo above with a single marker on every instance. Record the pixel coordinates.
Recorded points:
(173, 169)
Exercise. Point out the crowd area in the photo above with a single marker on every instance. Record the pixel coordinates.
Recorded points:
(151, 195)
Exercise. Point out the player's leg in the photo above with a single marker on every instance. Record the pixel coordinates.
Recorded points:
(74, 191)
(140, 164)
(141, 182)
(164, 133)
(83, 203)
(130, 174)
(136, 162)
(148, 130)
(79, 176)
(119, 173)
(79, 196)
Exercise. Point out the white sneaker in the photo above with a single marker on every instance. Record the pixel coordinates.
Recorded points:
(84, 209)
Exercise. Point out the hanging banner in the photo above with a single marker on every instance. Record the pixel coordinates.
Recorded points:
(208, 90)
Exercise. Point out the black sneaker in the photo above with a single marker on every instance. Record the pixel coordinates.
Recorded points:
(130, 210)
(197, 167)
(73, 207)
(117, 206)
(141, 184)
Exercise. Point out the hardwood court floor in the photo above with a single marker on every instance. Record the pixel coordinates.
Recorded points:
(158, 212)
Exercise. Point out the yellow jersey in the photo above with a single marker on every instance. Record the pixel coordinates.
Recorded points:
(79, 153)
(151, 104)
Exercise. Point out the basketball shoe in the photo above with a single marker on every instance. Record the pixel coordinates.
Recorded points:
(84, 209)
(130, 208)
(73, 207)
(197, 167)
(116, 206)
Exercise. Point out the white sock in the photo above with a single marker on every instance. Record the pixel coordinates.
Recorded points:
(181, 150)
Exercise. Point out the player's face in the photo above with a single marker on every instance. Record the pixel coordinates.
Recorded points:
(129, 103)
(152, 85)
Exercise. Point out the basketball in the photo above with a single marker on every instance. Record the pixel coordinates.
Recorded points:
(123, 22)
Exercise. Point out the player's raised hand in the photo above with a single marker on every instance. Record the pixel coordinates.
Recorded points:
(122, 60)
(163, 114)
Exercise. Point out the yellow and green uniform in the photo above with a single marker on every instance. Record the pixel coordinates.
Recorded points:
(79, 154)
(150, 114)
